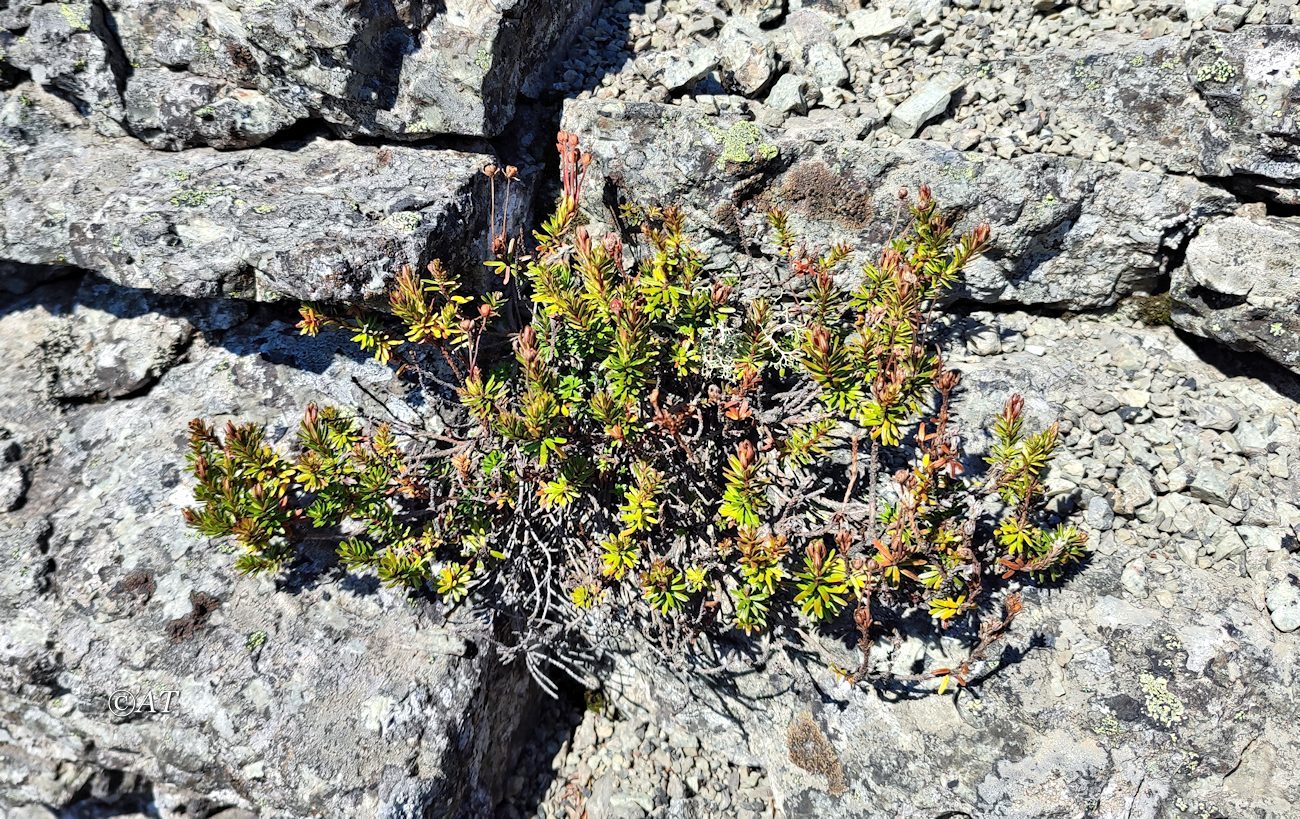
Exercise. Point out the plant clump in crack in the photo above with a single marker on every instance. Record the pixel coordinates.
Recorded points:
(636, 450)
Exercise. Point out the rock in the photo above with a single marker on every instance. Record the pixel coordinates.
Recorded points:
(1216, 417)
(118, 342)
(1099, 514)
(170, 111)
(748, 58)
(1134, 579)
(760, 11)
(204, 73)
(347, 704)
(984, 341)
(1230, 545)
(1240, 284)
(826, 67)
(1284, 604)
(1211, 485)
(926, 103)
(1065, 232)
(683, 73)
(1200, 9)
(789, 95)
(876, 22)
(1208, 107)
(329, 220)
(1133, 491)
(65, 46)
(13, 486)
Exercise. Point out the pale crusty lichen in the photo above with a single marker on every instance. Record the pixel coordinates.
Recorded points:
(77, 16)
(741, 143)
(1161, 704)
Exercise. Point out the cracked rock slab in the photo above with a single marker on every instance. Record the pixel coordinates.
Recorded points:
(1240, 286)
(1222, 104)
(1067, 233)
(318, 219)
(312, 697)
(231, 75)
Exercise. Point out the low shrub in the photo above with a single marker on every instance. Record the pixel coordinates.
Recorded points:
(632, 438)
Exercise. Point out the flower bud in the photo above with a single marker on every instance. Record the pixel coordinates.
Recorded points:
(745, 453)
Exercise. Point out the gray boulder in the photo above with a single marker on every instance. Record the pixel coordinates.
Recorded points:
(133, 659)
(323, 219)
(1209, 107)
(66, 46)
(1066, 233)
(1240, 286)
(234, 74)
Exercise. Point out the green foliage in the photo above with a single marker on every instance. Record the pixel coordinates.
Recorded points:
(647, 447)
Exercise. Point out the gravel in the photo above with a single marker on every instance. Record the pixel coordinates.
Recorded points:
(886, 56)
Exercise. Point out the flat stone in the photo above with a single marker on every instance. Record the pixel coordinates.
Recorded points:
(328, 221)
(1211, 485)
(789, 95)
(1283, 602)
(926, 103)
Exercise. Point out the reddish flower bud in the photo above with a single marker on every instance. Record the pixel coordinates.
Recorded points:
(745, 453)
(1015, 406)
(821, 340)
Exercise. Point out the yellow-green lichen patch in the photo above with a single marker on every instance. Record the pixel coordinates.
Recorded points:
(1107, 726)
(1220, 71)
(404, 221)
(193, 198)
(76, 16)
(741, 143)
(1161, 704)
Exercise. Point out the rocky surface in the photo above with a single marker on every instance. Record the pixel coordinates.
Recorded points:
(1241, 286)
(191, 151)
(320, 697)
(183, 73)
(1066, 232)
(1187, 87)
(1155, 683)
(319, 218)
